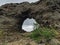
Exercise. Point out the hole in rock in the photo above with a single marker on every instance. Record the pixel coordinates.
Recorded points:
(28, 25)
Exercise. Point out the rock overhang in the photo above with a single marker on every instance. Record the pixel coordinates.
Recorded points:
(45, 12)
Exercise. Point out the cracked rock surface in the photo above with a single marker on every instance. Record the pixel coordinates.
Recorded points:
(45, 12)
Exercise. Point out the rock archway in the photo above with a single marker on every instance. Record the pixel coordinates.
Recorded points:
(45, 12)
(28, 25)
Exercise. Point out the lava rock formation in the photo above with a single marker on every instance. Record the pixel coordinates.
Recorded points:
(45, 12)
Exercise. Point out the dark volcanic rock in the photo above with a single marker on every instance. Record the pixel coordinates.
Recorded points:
(45, 12)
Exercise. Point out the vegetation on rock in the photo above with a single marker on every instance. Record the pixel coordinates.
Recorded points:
(43, 34)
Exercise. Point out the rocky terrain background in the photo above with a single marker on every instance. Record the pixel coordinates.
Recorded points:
(8, 37)
(45, 12)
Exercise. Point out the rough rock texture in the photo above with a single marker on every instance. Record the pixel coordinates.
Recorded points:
(54, 42)
(45, 12)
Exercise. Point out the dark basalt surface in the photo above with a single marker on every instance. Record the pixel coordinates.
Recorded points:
(45, 12)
